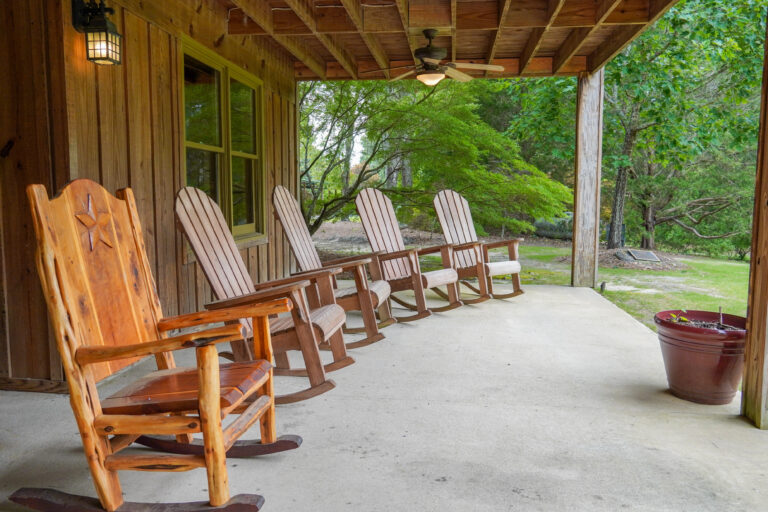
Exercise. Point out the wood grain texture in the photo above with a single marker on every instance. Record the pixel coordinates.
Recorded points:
(105, 311)
(589, 143)
(121, 126)
(754, 397)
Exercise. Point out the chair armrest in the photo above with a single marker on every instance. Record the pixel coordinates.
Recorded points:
(316, 273)
(310, 275)
(226, 314)
(359, 262)
(90, 355)
(433, 249)
(339, 262)
(397, 254)
(258, 297)
(466, 246)
(503, 243)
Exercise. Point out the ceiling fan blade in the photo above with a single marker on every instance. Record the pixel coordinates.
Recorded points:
(382, 70)
(400, 77)
(431, 61)
(468, 65)
(457, 75)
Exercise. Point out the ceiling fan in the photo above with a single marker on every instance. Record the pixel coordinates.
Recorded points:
(430, 71)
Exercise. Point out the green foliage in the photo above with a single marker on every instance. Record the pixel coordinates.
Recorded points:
(416, 141)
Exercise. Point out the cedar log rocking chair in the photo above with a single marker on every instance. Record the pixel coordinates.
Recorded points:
(363, 297)
(400, 266)
(471, 258)
(315, 317)
(105, 314)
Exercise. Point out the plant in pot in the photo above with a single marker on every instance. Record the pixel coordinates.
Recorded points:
(703, 354)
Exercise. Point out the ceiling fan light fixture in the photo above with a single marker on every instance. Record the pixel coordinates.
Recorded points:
(430, 77)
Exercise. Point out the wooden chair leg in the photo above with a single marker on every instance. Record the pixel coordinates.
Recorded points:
(516, 283)
(267, 420)
(282, 361)
(210, 418)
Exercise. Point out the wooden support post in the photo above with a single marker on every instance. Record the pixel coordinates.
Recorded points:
(589, 155)
(754, 395)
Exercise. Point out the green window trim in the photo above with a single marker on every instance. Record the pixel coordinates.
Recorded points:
(236, 174)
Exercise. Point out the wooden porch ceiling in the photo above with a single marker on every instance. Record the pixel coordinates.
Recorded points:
(340, 39)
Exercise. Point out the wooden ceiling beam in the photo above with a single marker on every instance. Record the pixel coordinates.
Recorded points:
(305, 12)
(578, 36)
(260, 12)
(619, 40)
(539, 66)
(355, 13)
(402, 9)
(503, 11)
(537, 34)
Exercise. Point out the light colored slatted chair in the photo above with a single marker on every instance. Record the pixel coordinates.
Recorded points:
(364, 296)
(400, 266)
(105, 314)
(315, 317)
(470, 256)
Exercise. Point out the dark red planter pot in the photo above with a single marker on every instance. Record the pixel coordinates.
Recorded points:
(703, 365)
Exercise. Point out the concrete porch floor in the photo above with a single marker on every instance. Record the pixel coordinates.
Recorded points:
(554, 400)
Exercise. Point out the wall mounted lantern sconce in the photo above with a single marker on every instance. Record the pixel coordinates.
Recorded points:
(102, 40)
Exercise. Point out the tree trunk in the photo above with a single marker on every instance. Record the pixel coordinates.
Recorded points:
(649, 225)
(406, 174)
(347, 165)
(620, 194)
(391, 181)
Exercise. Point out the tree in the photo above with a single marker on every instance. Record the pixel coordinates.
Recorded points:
(415, 141)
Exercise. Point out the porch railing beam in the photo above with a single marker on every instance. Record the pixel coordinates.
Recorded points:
(586, 214)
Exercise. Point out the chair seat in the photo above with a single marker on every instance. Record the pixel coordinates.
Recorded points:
(326, 318)
(177, 390)
(380, 289)
(439, 277)
(499, 268)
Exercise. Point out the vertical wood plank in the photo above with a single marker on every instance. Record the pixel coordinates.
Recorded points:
(754, 397)
(163, 91)
(25, 139)
(136, 60)
(111, 112)
(586, 215)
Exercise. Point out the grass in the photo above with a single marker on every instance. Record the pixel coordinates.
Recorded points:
(707, 284)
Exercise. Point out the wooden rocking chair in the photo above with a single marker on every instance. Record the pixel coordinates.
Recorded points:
(363, 297)
(105, 314)
(315, 317)
(400, 266)
(470, 256)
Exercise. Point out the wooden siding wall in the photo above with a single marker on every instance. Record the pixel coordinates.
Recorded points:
(122, 126)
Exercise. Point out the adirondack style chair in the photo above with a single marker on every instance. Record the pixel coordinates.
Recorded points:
(315, 317)
(471, 258)
(364, 296)
(106, 314)
(400, 266)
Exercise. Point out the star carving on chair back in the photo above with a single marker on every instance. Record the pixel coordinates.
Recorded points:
(97, 225)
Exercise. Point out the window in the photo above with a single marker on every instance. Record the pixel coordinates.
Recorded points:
(222, 138)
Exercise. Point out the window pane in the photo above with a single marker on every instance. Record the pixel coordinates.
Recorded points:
(201, 102)
(203, 171)
(242, 191)
(242, 104)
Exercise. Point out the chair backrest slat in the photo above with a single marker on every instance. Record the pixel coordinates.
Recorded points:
(456, 221)
(289, 214)
(383, 232)
(213, 244)
(95, 270)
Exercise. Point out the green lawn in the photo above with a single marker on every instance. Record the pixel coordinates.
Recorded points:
(706, 284)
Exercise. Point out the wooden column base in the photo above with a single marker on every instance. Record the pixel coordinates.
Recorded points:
(50, 500)
(240, 450)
